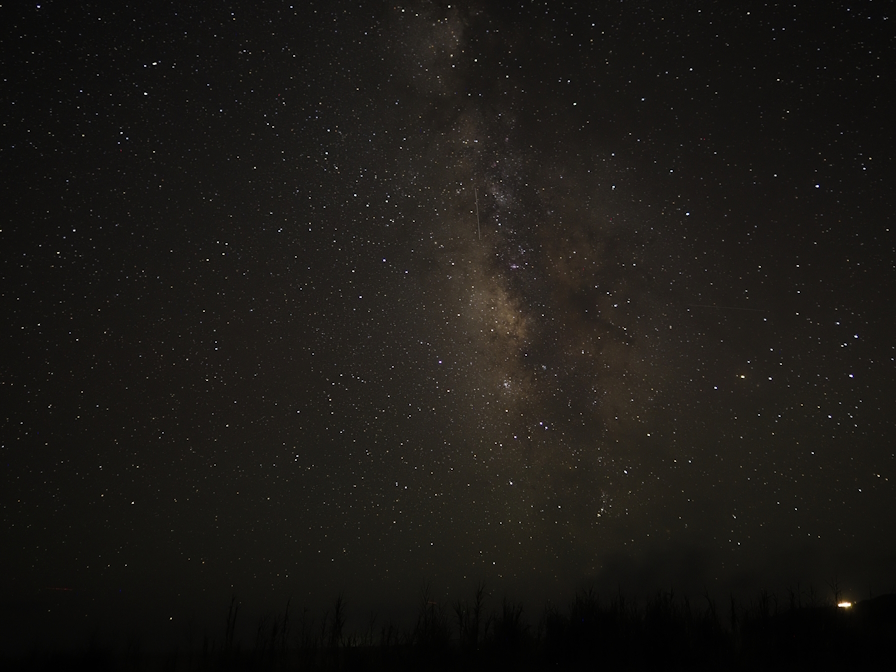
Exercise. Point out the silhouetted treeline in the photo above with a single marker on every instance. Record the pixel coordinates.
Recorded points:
(479, 633)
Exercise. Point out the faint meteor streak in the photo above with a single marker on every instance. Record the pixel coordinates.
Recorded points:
(478, 229)
(703, 305)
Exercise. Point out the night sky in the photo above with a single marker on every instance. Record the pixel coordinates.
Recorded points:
(301, 299)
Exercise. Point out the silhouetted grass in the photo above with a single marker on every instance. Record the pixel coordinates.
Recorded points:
(663, 632)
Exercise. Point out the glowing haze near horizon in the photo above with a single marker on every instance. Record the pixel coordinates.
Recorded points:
(323, 298)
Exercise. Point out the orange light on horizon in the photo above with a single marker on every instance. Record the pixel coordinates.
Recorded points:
(844, 605)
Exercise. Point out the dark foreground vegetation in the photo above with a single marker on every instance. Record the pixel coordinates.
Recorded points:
(592, 633)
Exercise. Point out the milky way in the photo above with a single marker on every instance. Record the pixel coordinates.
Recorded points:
(543, 279)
